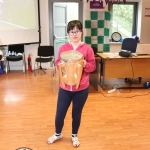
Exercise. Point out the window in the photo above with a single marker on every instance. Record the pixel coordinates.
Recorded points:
(123, 18)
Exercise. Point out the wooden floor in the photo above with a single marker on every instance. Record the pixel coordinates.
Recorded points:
(117, 121)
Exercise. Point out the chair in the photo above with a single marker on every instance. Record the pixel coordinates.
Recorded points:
(16, 53)
(46, 54)
(94, 50)
(130, 44)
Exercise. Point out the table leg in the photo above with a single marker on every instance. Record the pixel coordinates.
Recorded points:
(102, 74)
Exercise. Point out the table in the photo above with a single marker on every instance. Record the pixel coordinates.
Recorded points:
(115, 66)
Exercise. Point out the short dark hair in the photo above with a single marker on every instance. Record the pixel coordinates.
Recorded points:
(74, 23)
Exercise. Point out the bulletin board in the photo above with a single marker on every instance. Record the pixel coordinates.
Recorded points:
(97, 30)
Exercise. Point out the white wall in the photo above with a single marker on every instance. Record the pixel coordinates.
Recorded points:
(44, 17)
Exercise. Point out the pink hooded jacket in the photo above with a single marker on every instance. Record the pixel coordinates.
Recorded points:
(88, 54)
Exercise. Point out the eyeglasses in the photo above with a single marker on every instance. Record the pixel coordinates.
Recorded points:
(74, 32)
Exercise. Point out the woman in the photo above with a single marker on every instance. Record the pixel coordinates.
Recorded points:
(68, 93)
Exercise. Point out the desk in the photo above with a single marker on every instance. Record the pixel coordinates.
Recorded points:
(115, 66)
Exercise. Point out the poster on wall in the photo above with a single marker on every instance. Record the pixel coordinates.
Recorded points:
(147, 12)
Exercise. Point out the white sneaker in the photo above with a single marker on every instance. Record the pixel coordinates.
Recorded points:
(54, 138)
(75, 141)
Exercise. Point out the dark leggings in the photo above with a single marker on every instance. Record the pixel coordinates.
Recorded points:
(65, 98)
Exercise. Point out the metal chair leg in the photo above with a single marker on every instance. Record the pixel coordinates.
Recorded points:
(34, 69)
(23, 66)
(6, 65)
(52, 66)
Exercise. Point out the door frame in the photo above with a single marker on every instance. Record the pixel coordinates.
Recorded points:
(50, 9)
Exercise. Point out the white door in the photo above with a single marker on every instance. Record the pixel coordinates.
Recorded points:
(61, 12)
(59, 26)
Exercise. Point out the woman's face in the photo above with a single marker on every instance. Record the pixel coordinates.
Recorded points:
(75, 35)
